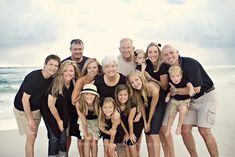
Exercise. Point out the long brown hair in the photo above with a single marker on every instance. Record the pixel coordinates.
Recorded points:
(101, 117)
(118, 89)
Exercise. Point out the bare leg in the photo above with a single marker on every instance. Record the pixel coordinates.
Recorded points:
(169, 123)
(29, 145)
(94, 148)
(106, 148)
(127, 151)
(138, 144)
(68, 145)
(149, 144)
(87, 148)
(163, 142)
(210, 141)
(80, 144)
(155, 144)
(182, 112)
(189, 140)
(133, 150)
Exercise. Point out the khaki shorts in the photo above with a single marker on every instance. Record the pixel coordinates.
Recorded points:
(22, 121)
(175, 104)
(201, 113)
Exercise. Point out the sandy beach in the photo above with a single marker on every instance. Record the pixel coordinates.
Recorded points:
(12, 145)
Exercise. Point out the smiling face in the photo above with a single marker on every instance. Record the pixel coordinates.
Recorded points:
(89, 97)
(135, 81)
(108, 109)
(51, 67)
(77, 51)
(69, 73)
(126, 49)
(170, 55)
(110, 69)
(92, 69)
(123, 96)
(153, 54)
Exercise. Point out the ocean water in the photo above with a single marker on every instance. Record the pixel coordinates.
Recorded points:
(12, 77)
(10, 81)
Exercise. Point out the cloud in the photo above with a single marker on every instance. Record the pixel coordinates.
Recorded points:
(41, 27)
(176, 1)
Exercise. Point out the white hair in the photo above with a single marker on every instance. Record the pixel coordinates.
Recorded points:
(109, 59)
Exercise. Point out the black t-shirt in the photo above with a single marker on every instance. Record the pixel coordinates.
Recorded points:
(153, 73)
(183, 83)
(36, 86)
(80, 64)
(63, 105)
(104, 90)
(195, 73)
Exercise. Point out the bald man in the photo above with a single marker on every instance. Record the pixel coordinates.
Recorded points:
(202, 110)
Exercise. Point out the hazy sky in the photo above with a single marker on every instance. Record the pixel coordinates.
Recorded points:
(32, 29)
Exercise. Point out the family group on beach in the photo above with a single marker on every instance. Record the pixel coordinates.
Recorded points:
(134, 92)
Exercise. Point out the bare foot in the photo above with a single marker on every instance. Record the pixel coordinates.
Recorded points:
(178, 131)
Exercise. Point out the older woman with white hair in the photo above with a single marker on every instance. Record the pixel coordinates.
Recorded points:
(107, 82)
(106, 85)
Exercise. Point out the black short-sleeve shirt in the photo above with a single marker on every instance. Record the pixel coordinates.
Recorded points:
(104, 90)
(196, 74)
(153, 73)
(80, 64)
(35, 85)
(183, 83)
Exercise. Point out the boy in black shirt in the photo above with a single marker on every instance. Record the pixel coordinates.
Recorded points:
(178, 102)
(30, 97)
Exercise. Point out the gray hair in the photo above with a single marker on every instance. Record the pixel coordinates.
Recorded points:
(109, 59)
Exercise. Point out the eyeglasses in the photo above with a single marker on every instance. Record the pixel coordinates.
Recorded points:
(126, 48)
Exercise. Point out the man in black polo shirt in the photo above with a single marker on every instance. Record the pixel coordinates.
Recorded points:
(76, 49)
(202, 108)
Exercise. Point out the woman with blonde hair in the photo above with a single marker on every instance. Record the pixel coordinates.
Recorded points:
(56, 113)
(148, 94)
(158, 70)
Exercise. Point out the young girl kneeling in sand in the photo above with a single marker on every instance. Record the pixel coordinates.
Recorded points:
(88, 111)
(178, 102)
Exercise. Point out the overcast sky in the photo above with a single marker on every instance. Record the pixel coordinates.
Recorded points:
(32, 29)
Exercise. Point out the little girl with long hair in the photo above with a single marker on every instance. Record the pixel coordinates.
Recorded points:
(111, 129)
(88, 111)
(131, 117)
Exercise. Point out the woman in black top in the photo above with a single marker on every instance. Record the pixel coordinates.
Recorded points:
(159, 71)
(56, 113)
(107, 82)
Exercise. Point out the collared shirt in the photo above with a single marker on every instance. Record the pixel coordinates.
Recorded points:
(196, 74)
